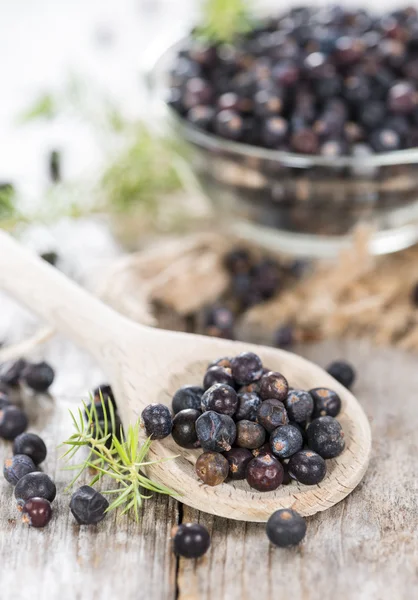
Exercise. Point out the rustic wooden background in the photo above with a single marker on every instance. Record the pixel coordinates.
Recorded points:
(365, 548)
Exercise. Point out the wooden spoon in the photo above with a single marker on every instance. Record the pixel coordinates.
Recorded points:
(146, 365)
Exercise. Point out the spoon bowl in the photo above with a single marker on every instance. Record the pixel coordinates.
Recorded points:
(146, 365)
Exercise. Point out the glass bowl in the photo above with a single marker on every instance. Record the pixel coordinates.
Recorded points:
(300, 204)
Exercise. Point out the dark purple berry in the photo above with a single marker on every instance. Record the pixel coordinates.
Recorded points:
(274, 132)
(220, 318)
(251, 388)
(190, 540)
(248, 404)
(285, 441)
(17, 467)
(88, 506)
(326, 402)
(284, 336)
(287, 480)
(326, 437)
(156, 419)
(272, 414)
(266, 278)
(264, 473)
(238, 459)
(31, 445)
(385, 140)
(238, 261)
(343, 372)
(229, 124)
(268, 103)
(101, 428)
(38, 376)
(184, 428)
(307, 467)
(104, 391)
(35, 485)
(402, 98)
(285, 528)
(11, 372)
(220, 398)
(250, 435)
(13, 422)
(4, 400)
(372, 115)
(263, 450)
(286, 73)
(99, 407)
(273, 385)
(299, 406)
(37, 512)
(212, 468)
(225, 362)
(197, 91)
(215, 432)
(188, 396)
(218, 375)
(246, 368)
(202, 117)
(304, 141)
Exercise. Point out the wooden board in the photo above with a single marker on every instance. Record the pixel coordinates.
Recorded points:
(365, 548)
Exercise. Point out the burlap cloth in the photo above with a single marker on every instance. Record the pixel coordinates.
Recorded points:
(355, 296)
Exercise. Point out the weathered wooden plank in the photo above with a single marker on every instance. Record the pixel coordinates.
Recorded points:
(366, 547)
(118, 558)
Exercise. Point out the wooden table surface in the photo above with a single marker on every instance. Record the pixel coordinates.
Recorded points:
(365, 548)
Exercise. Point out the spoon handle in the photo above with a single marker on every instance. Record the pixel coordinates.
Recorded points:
(55, 298)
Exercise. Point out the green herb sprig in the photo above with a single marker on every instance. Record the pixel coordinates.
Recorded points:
(117, 457)
(223, 20)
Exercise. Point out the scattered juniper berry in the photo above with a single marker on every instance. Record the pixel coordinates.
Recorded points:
(37, 512)
(35, 485)
(88, 506)
(190, 540)
(343, 372)
(11, 372)
(285, 528)
(17, 467)
(38, 376)
(31, 445)
(13, 422)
